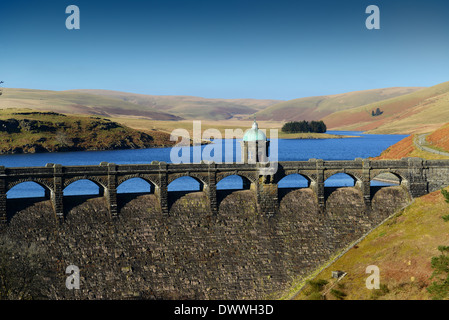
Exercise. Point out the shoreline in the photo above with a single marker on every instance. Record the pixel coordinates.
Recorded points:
(309, 136)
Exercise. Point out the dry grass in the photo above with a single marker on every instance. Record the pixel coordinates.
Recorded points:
(314, 108)
(418, 112)
(439, 139)
(114, 103)
(406, 148)
(402, 249)
(31, 131)
(189, 107)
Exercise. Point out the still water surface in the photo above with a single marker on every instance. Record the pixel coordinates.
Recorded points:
(364, 146)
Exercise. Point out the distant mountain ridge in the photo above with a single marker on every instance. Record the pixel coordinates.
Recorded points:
(401, 109)
(77, 103)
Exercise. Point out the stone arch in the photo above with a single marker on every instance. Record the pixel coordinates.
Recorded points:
(354, 175)
(43, 183)
(202, 184)
(283, 192)
(330, 190)
(244, 175)
(403, 182)
(138, 184)
(199, 178)
(310, 176)
(247, 179)
(398, 174)
(310, 180)
(246, 182)
(174, 195)
(13, 204)
(98, 181)
(136, 188)
(147, 178)
(95, 180)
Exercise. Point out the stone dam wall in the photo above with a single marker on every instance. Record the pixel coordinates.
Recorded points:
(237, 253)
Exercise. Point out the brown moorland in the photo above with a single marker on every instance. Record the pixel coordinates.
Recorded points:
(421, 111)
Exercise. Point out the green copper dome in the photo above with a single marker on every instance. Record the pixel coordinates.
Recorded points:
(254, 134)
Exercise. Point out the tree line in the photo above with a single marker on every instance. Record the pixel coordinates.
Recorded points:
(304, 126)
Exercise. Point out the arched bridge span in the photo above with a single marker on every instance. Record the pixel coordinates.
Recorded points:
(417, 176)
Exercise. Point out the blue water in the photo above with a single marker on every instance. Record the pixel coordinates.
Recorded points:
(364, 146)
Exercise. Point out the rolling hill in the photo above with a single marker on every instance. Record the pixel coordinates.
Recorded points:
(315, 108)
(421, 111)
(122, 104)
(403, 109)
(77, 103)
(189, 107)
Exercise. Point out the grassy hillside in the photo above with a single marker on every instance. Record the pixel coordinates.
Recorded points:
(420, 111)
(189, 107)
(77, 103)
(402, 248)
(437, 140)
(121, 104)
(28, 131)
(314, 108)
(116, 104)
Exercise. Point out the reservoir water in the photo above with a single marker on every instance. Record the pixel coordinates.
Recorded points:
(364, 146)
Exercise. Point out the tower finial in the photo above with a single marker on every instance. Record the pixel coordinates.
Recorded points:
(255, 125)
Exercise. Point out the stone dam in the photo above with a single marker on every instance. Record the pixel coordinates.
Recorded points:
(244, 244)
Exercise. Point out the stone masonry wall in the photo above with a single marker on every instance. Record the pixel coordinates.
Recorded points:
(192, 253)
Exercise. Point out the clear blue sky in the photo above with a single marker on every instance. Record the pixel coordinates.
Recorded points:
(224, 48)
